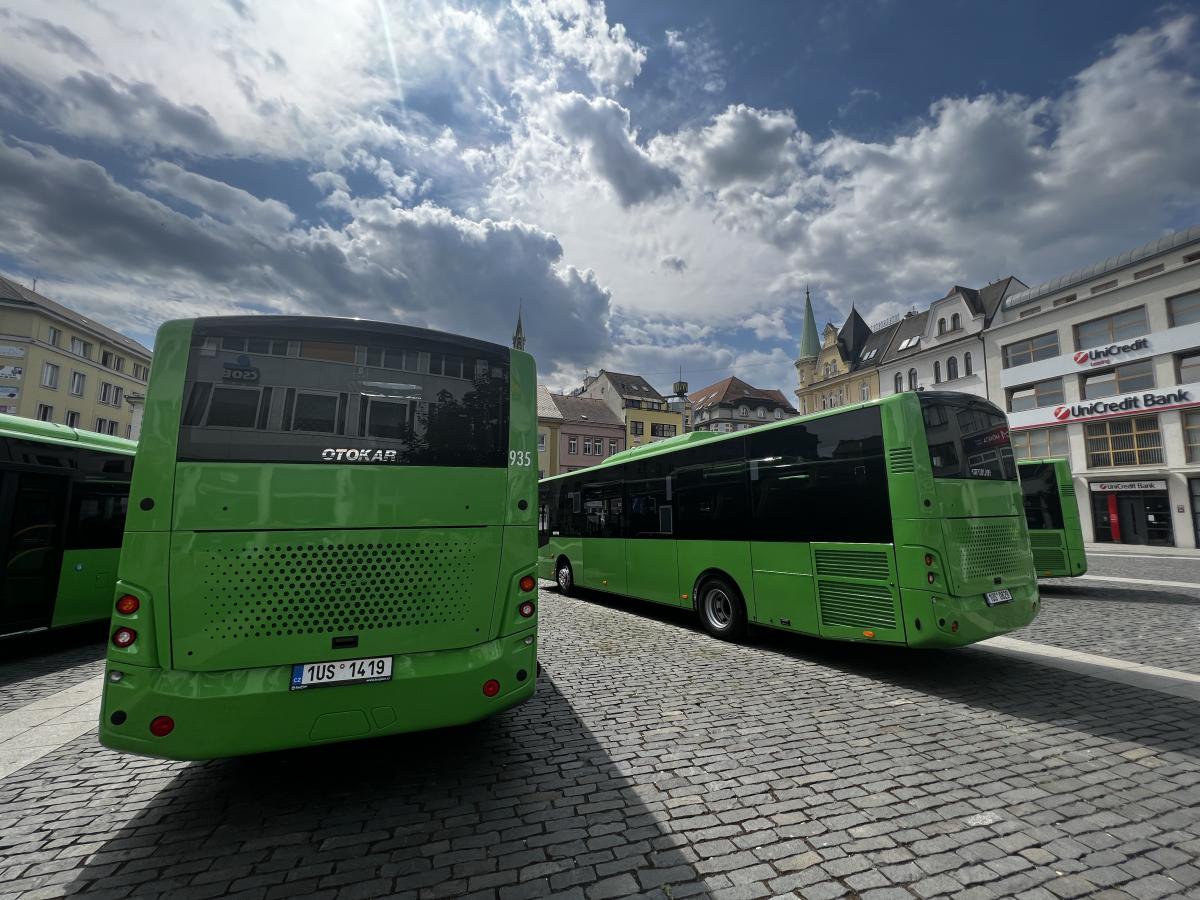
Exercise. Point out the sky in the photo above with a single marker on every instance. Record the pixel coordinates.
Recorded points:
(654, 185)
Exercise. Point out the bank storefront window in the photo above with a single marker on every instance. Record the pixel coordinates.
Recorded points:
(1121, 380)
(1132, 441)
(1120, 326)
(1191, 435)
(1039, 443)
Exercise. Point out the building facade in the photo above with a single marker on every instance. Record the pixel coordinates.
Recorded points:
(59, 366)
(645, 411)
(589, 433)
(833, 370)
(942, 348)
(733, 405)
(549, 427)
(1103, 366)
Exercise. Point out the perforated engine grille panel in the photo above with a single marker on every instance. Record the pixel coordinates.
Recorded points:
(983, 549)
(241, 598)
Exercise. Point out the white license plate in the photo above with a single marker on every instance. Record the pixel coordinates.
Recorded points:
(995, 598)
(346, 671)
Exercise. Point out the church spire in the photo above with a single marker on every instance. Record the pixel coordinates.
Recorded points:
(518, 341)
(810, 345)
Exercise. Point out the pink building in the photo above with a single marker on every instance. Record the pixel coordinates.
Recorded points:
(589, 433)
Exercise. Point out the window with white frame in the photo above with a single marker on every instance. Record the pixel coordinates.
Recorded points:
(53, 336)
(45, 413)
(72, 420)
(542, 442)
(81, 348)
(78, 382)
(573, 445)
(50, 376)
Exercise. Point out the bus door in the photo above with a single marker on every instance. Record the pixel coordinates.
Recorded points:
(650, 553)
(32, 510)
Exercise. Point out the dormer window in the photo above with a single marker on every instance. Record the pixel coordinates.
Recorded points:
(955, 322)
(941, 326)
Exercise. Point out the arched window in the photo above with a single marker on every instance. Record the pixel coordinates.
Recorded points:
(967, 364)
(937, 373)
(762, 412)
(955, 322)
(899, 383)
(952, 368)
(743, 411)
(912, 379)
(779, 413)
(941, 326)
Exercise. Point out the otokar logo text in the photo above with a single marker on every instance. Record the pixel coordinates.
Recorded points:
(1127, 404)
(341, 454)
(1098, 355)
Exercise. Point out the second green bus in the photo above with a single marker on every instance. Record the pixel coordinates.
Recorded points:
(897, 521)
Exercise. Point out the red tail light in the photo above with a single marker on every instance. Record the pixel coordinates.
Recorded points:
(162, 726)
(128, 605)
(525, 609)
(527, 583)
(123, 637)
(491, 687)
(929, 559)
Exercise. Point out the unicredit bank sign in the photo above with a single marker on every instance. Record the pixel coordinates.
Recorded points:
(1185, 337)
(1185, 395)
(1113, 354)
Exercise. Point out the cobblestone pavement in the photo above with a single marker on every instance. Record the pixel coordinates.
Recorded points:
(657, 761)
(35, 666)
(1150, 624)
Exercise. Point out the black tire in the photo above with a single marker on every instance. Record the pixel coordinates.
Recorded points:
(564, 575)
(721, 609)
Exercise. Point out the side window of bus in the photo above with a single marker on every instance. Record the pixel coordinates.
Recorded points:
(651, 510)
(548, 514)
(98, 518)
(712, 494)
(604, 508)
(824, 480)
(1043, 506)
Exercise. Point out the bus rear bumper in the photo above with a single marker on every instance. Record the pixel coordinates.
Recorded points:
(235, 713)
(958, 621)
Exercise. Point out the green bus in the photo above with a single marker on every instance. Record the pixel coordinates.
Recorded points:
(896, 521)
(63, 494)
(331, 535)
(1055, 531)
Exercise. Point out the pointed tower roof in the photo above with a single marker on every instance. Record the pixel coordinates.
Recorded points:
(518, 341)
(810, 344)
(853, 335)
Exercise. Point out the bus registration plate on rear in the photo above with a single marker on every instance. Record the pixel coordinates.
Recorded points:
(347, 671)
(995, 598)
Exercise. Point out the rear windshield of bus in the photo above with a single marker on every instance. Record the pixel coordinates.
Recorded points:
(968, 438)
(343, 395)
(1043, 506)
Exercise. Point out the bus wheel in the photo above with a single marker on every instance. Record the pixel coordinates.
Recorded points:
(722, 613)
(565, 578)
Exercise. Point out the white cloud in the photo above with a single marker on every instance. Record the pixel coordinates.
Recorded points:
(578, 30)
(229, 204)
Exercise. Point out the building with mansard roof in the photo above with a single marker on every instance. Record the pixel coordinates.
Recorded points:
(942, 347)
(732, 405)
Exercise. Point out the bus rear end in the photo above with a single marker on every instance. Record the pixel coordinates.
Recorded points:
(963, 557)
(331, 536)
(1055, 531)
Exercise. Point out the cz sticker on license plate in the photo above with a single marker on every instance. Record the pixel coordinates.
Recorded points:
(346, 671)
(995, 598)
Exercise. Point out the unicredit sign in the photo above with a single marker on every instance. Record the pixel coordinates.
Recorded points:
(1099, 356)
(1131, 403)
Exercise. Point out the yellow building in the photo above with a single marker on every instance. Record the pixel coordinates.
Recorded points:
(550, 422)
(645, 411)
(843, 367)
(59, 366)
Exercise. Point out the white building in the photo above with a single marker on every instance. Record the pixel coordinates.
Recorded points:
(1103, 366)
(942, 349)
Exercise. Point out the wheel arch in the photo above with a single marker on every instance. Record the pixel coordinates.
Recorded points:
(716, 572)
